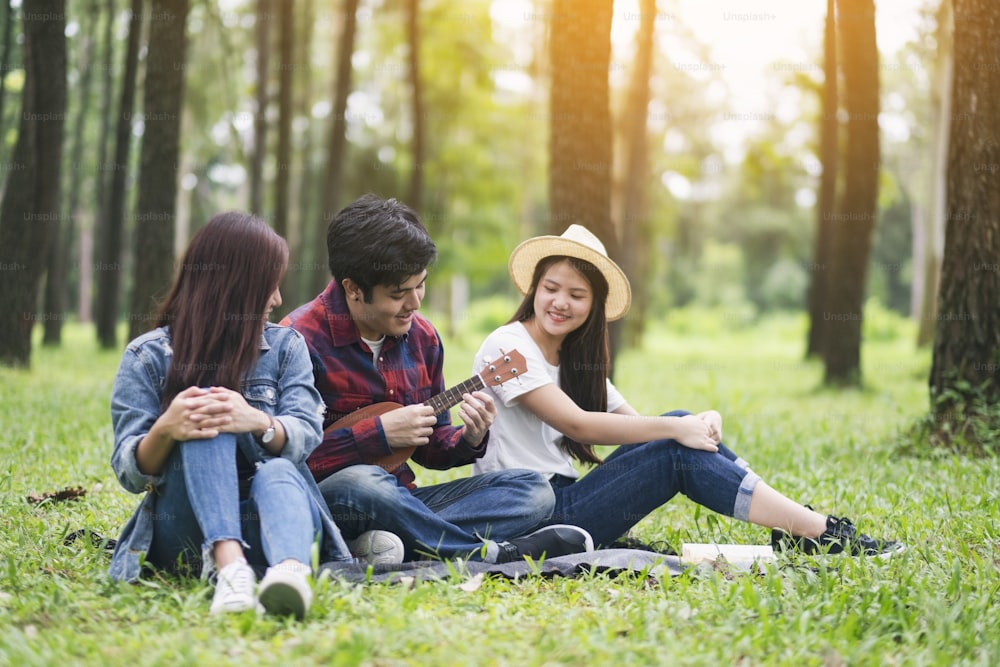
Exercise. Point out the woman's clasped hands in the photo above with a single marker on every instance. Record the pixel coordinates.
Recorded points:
(198, 413)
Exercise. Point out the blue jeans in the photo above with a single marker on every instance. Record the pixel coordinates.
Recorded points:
(440, 521)
(199, 505)
(636, 479)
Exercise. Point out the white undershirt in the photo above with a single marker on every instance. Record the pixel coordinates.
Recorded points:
(375, 346)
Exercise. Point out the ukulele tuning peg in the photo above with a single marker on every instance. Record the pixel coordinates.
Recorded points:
(513, 371)
(492, 368)
(497, 379)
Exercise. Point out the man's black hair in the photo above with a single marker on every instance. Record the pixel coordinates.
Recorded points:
(376, 241)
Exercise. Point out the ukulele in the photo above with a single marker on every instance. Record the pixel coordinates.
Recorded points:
(508, 365)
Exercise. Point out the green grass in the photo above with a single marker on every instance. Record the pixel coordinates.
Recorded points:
(841, 451)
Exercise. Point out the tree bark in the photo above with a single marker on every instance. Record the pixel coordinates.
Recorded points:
(826, 201)
(297, 282)
(61, 245)
(163, 94)
(855, 217)
(86, 295)
(8, 29)
(933, 238)
(262, 97)
(112, 228)
(634, 217)
(966, 358)
(580, 118)
(286, 56)
(416, 194)
(30, 207)
(580, 156)
(337, 138)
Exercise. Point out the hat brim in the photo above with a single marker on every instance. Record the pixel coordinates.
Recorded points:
(526, 256)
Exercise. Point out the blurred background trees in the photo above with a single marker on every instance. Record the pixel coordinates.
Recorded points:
(709, 160)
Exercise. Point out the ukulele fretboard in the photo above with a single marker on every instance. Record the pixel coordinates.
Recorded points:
(452, 397)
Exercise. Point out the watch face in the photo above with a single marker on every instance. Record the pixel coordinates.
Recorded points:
(268, 436)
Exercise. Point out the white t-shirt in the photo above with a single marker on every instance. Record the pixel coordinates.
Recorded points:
(518, 438)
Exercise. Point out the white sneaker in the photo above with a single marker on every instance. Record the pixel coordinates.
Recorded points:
(376, 547)
(285, 589)
(234, 586)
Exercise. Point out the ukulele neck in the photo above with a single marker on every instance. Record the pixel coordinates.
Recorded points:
(452, 397)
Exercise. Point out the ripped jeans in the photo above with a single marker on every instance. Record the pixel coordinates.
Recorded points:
(198, 504)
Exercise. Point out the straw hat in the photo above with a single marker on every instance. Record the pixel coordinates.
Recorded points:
(579, 242)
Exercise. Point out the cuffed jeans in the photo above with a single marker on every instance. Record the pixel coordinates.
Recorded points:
(636, 479)
(198, 505)
(440, 521)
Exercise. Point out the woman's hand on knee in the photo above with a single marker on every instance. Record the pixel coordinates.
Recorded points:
(189, 416)
(695, 433)
(229, 412)
(714, 421)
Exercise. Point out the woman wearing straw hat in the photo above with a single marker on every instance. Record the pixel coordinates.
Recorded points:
(563, 403)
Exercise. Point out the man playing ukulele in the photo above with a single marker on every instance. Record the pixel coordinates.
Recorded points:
(370, 347)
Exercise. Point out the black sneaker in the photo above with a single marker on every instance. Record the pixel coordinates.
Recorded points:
(548, 542)
(840, 536)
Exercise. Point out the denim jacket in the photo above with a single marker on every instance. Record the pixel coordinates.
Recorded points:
(281, 385)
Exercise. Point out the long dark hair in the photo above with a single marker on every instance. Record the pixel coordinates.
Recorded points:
(215, 307)
(584, 357)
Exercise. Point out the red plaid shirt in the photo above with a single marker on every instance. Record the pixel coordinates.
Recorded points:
(410, 370)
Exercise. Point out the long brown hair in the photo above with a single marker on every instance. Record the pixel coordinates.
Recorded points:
(584, 358)
(215, 307)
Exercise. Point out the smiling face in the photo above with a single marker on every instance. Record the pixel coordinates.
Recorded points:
(563, 300)
(391, 310)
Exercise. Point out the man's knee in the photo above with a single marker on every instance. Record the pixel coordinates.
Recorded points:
(359, 482)
(535, 491)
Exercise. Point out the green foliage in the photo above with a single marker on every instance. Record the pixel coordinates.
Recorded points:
(719, 278)
(712, 320)
(487, 314)
(882, 324)
(965, 418)
(933, 605)
(785, 285)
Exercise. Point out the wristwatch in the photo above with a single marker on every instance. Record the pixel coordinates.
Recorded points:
(268, 435)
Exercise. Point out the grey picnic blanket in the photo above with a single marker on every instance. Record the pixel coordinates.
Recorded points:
(604, 561)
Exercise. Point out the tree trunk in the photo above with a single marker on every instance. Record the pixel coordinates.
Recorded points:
(637, 241)
(8, 30)
(297, 282)
(260, 118)
(416, 194)
(61, 245)
(580, 118)
(286, 55)
(826, 203)
(855, 217)
(30, 207)
(163, 93)
(337, 138)
(580, 157)
(933, 246)
(967, 338)
(86, 295)
(113, 225)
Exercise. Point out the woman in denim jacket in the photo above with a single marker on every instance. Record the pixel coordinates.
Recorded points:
(214, 414)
